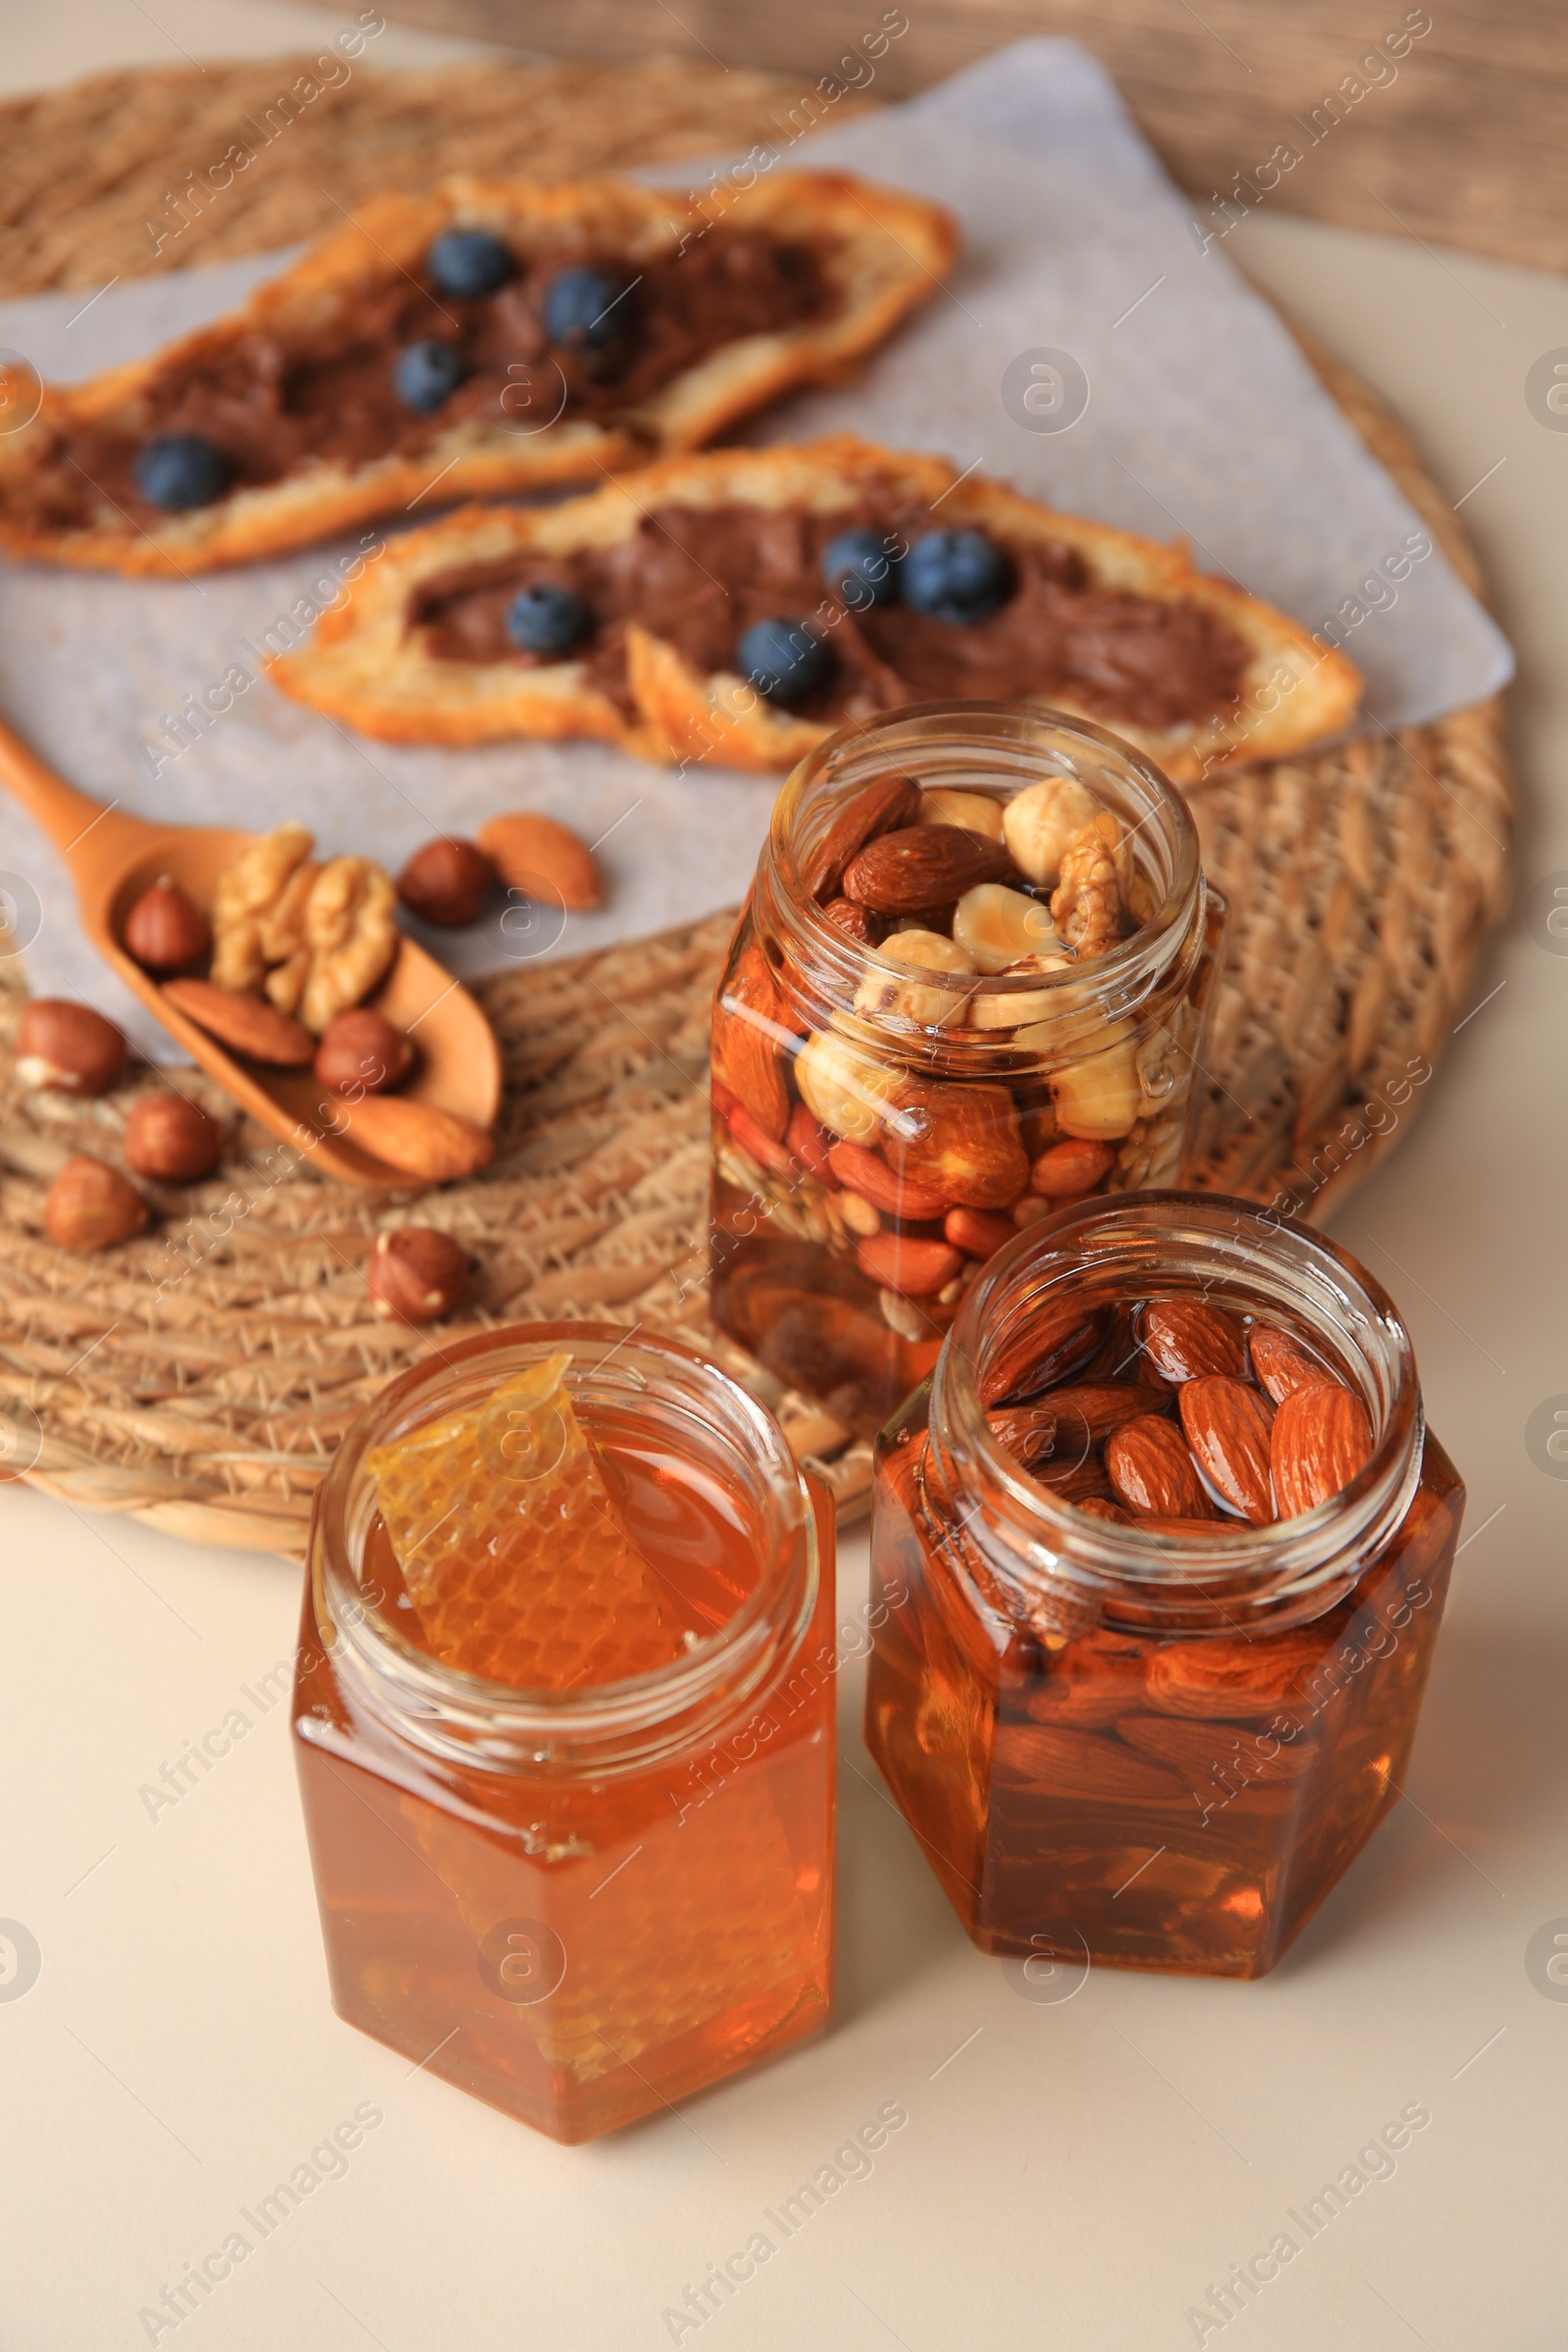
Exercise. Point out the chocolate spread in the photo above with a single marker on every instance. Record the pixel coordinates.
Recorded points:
(699, 577)
(274, 407)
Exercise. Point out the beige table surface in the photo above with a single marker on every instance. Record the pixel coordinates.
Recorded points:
(1074, 2174)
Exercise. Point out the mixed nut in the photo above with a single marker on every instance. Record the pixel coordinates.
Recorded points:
(906, 1113)
(277, 974)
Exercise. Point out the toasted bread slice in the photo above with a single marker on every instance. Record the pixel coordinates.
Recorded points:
(1159, 633)
(860, 257)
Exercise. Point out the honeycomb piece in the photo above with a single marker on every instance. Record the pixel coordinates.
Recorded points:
(707, 1919)
(511, 1547)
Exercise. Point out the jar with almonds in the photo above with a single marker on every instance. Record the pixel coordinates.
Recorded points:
(969, 984)
(1159, 1560)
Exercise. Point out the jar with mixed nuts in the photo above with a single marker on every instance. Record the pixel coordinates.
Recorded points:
(969, 984)
(1168, 1544)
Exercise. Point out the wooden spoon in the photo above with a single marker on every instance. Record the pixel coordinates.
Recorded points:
(114, 857)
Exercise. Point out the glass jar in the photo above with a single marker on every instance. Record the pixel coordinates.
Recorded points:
(880, 1129)
(1158, 1749)
(581, 1904)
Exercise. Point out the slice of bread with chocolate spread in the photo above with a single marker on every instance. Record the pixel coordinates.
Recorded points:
(488, 337)
(738, 606)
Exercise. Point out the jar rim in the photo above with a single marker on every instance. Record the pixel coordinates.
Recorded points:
(1125, 970)
(1294, 1567)
(478, 1720)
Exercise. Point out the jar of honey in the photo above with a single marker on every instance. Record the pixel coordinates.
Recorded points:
(969, 984)
(565, 1724)
(1175, 1542)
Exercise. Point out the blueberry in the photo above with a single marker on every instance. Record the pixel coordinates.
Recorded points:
(546, 619)
(176, 471)
(588, 307)
(467, 263)
(784, 659)
(859, 566)
(427, 374)
(960, 577)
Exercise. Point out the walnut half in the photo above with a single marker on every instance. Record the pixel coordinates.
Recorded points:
(318, 937)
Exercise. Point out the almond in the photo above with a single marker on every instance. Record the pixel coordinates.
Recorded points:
(1052, 1342)
(749, 1034)
(809, 1143)
(1322, 1437)
(1151, 1471)
(853, 921)
(248, 1025)
(1186, 1337)
(1082, 1686)
(416, 1138)
(1226, 1423)
(1072, 1168)
(1101, 1506)
(1280, 1363)
(756, 1144)
(541, 859)
(1222, 1679)
(1027, 1431)
(1210, 1760)
(1068, 1422)
(922, 867)
(1078, 1764)
(863, 1172)
(1156, 1523)
(891, 802)
(1091, 1411)
(1075, 1482)
(977, 1232)
(904, 1263)
(961, 1142)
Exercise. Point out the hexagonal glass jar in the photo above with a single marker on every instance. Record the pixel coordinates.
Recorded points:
(1154, 1749)
(581, 1904)
(841, 1275)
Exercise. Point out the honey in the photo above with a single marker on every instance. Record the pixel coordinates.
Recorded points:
(552, 1580)
(1124, 1735)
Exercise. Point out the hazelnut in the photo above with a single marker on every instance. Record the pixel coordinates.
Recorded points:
(67, 1046)
(362, 1049)
(1040, 822)
(90, 1204)
(165, 930)
(416, 1275)
(172, 1139)
(447, 882)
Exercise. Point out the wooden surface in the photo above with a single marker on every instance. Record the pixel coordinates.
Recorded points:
(1461, 141)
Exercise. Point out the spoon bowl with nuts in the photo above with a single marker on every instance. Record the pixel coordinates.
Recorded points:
(436, 1128)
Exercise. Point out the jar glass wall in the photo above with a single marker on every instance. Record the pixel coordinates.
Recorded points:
(900, 1086)
(581, 1903)
(1156, 1741)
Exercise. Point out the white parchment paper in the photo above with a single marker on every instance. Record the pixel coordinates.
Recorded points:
(1201, 419)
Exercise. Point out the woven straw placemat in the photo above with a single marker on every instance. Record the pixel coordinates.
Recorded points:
(200, 1377)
